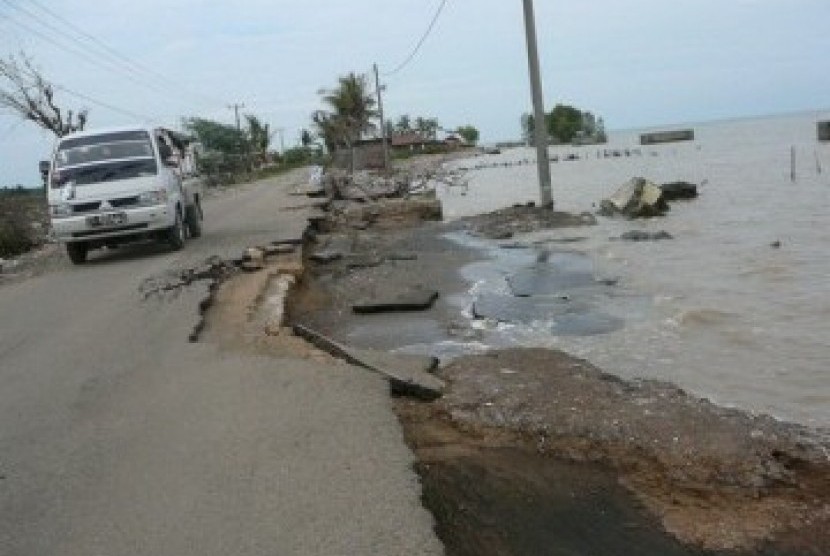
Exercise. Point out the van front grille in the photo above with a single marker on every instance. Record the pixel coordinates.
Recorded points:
(124, 202)
(86, 207)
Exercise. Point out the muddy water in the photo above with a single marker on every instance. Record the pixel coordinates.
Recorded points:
(717, 310)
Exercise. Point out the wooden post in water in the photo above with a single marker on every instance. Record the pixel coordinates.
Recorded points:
(792, 163)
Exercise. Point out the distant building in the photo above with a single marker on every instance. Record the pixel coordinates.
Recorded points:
(455, 141)
(366, 155)
(674, 136)
(411, 142)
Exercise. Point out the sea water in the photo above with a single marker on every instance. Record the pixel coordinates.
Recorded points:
(719, 310)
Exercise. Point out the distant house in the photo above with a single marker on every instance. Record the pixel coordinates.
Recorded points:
(413, 142)
(455, 141)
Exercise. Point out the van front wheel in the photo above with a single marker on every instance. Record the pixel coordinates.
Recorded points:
(176, 234)
(77, 252)
(193, 218)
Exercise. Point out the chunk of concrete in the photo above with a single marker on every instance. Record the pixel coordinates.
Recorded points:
(326, 256)
(254, 254)
(407, 376)
(363, 260)
(392, 301)
(679, 190)
(278, 249)
(251, 265)
(637, 198)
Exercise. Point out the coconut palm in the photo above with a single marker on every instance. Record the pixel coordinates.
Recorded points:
(353, 106)
(350, 114)
(259, 135)
(427, 127)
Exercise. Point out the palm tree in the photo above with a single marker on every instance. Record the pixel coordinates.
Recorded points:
(427, 127)
(350, 114)
(259, 135)
(352, 104)
(404, 124)
(328, 129)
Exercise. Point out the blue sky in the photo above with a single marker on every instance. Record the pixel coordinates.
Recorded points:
(636, 63)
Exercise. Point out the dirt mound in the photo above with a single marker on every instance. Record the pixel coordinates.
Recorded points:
(505, 223)
(716, 477)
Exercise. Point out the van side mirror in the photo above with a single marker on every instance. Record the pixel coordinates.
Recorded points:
(167, 156)
(44, 165)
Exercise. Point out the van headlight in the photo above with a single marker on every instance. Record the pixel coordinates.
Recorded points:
(60, 210)
(155, 197)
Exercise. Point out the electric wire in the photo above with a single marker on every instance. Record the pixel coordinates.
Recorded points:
(83, 51)
(75, 93)
(421, 42)
(118, 55)
(80, 53)
(103, 104)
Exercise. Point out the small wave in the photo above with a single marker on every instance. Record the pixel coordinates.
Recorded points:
(702, 317)
(775, 272)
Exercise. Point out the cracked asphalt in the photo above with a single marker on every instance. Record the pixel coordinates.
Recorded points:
(117, 436)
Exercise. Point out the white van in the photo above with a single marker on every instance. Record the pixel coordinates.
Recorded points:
(109, 187)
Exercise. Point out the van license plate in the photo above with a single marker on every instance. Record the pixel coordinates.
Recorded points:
(109, 219)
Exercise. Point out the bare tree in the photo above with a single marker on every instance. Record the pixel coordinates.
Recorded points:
(25, 92)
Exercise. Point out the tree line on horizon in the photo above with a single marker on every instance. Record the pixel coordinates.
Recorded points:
(567, 124)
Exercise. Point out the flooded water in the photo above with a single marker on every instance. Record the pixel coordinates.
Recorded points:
(718, 309)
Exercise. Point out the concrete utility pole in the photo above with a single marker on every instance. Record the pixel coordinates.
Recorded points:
(382, 120)
(280, 131)
(235, 108)
(539, 127)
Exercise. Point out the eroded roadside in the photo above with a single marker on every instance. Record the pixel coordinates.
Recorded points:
(528, 451)
(534, 451)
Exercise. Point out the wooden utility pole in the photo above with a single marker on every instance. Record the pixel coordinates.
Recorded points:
(235, 108)
(382, 120)
(539, 127)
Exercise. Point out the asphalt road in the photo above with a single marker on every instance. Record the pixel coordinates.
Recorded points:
(117, 437)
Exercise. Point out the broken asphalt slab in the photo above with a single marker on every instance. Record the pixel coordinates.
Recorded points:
(407, 376)
(409, 299)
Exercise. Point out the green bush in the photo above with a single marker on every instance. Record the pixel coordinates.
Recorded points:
(299, 156)
(15, 236)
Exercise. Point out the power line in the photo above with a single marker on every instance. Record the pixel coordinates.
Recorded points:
(77, 52)
(116, 54)
(421, 42)
(103, 104)
(78, 48)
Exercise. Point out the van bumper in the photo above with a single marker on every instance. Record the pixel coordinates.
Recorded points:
(134, 221)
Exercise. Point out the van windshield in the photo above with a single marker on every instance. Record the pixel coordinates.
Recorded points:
(104, 147)
(104, 171)
(105, 157)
